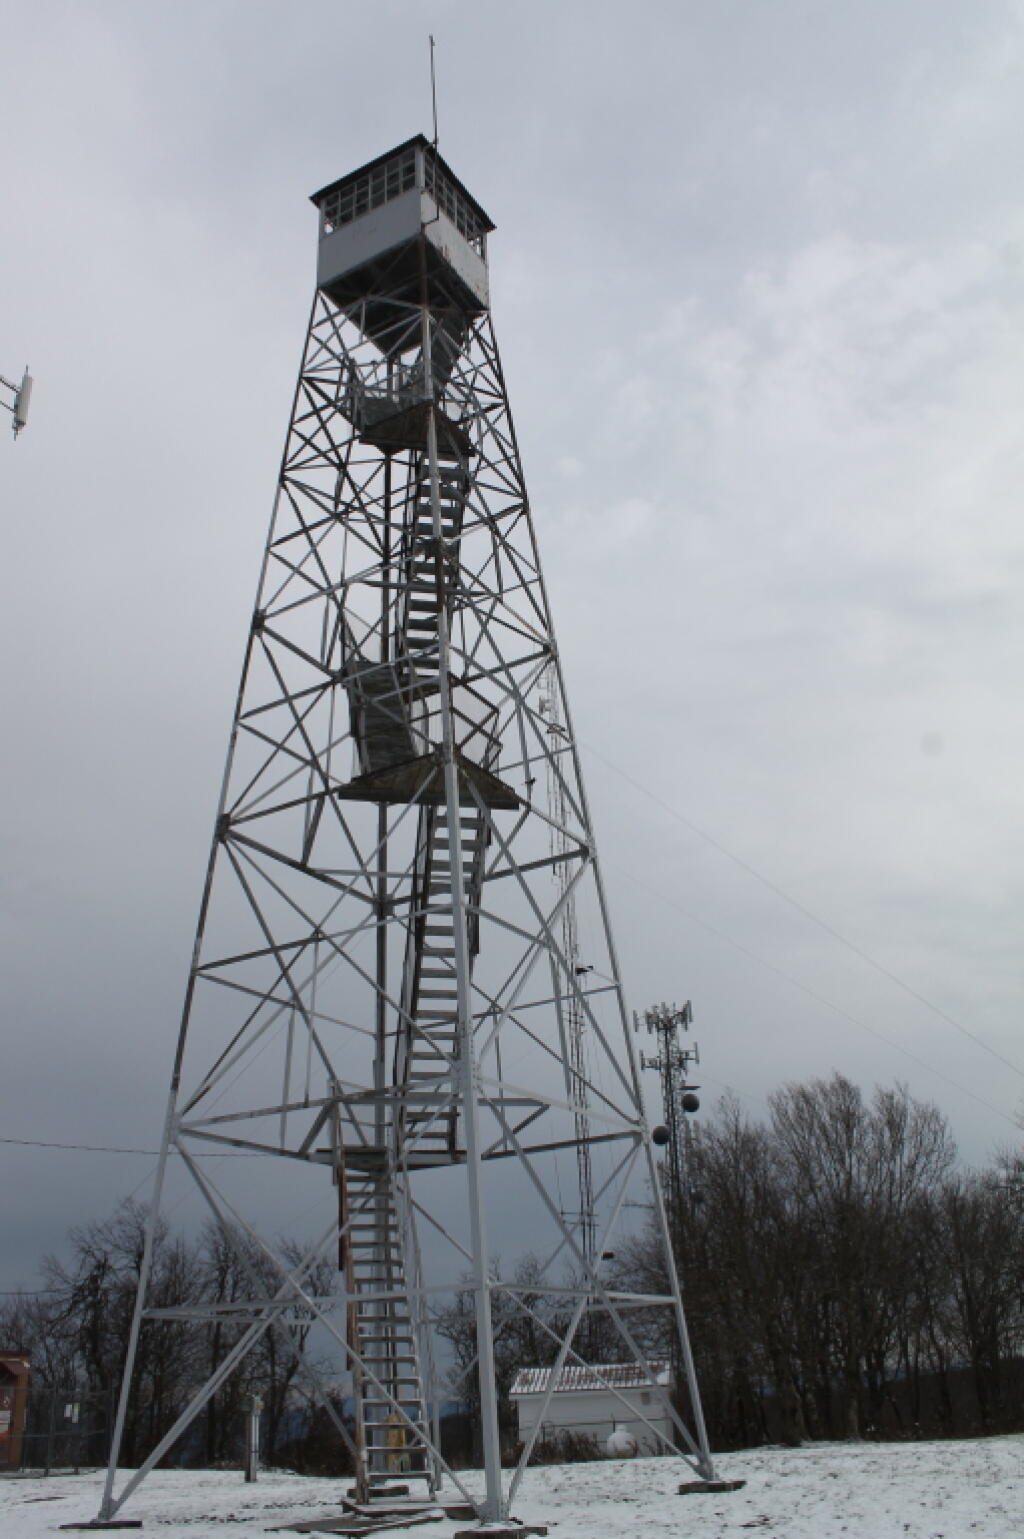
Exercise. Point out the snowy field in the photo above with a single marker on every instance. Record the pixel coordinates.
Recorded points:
(965, 1490)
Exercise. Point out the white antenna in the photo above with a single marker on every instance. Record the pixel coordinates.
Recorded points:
(433, 88)
(22, 396)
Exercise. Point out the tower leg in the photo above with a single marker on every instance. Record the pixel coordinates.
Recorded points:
(108, 1506)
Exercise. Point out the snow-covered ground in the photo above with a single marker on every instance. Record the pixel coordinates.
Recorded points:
(965, 1490)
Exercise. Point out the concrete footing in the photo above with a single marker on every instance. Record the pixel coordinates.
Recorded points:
(355, 1525)
(110, 1523)
(500, 1531)
(696, 1487)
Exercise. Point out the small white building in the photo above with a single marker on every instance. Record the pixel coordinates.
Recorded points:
(597, 1398)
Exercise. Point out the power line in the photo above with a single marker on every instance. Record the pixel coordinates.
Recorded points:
(821, 999)
(807, 913)
(45, 1143)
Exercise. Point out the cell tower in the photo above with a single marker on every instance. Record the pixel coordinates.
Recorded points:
(403, 983)
(678, 1097)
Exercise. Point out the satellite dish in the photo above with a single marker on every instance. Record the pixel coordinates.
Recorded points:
(691, 1102)
(621, 1444)
(660, 1135)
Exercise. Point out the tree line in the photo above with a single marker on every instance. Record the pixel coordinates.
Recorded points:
(842, 1276)
(76, 1332)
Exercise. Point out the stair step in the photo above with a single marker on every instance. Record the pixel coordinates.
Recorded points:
(382, 1425)
(401, 1381)
(379, 1415)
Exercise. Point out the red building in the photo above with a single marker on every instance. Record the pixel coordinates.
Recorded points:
(14, 1376)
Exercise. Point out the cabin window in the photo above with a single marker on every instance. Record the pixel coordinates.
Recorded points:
(454, 203)
(369, 191)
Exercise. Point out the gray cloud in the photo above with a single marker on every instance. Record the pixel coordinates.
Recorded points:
(758, 280)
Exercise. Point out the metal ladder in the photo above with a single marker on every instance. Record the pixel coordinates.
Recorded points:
(382, 1333)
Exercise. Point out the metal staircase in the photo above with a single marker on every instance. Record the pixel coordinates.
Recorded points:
(382, 1333)
(391, 705)
(427, 1050)
(426, 572)
(427, 1056)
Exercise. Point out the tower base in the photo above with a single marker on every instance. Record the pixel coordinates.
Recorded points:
(109, 1523)
(502, 1531)
(713, 1487)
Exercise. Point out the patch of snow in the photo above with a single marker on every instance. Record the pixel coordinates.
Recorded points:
(950, 1490)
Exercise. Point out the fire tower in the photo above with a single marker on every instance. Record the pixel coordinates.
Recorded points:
(403, 985)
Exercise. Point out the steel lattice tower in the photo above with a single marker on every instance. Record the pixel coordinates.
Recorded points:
(387, 982)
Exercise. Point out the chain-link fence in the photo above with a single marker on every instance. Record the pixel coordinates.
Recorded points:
(57, 1429)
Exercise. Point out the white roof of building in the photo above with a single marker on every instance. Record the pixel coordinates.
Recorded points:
(534, 1381)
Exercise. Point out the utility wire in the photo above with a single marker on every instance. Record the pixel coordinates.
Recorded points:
(807, 913)
(821, 999)
(858, 951)
(43, 1143)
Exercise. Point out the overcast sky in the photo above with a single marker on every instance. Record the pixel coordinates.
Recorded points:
(758, 279)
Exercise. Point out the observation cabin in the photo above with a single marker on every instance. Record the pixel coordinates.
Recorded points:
(371, 224)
